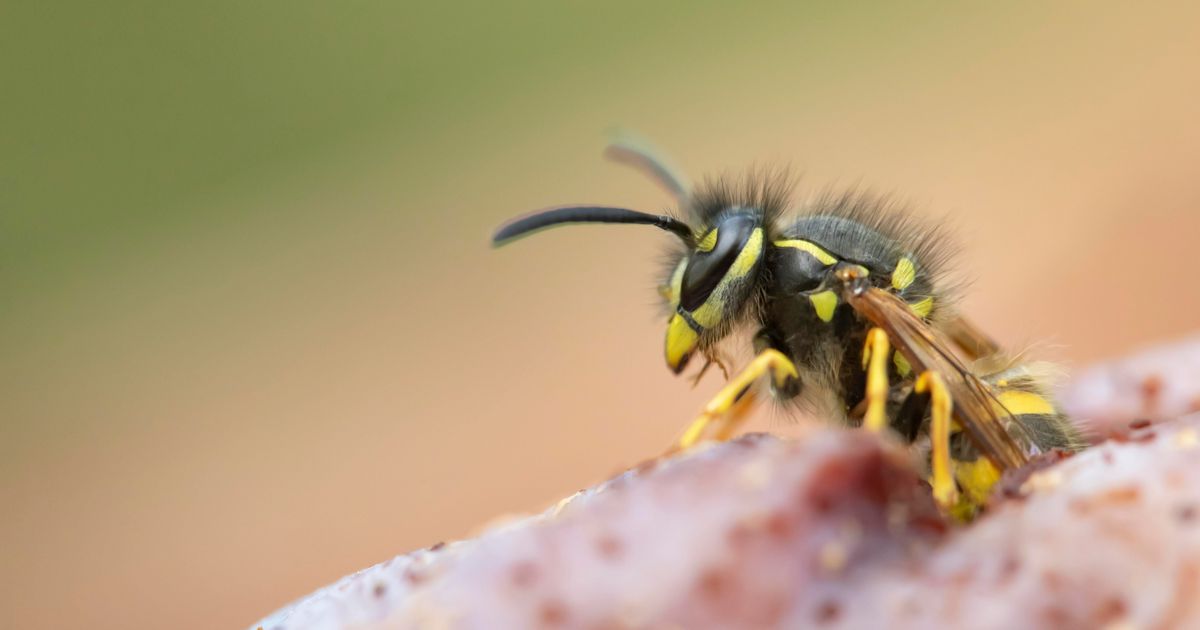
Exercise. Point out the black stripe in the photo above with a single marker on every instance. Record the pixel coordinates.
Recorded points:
(687, 317)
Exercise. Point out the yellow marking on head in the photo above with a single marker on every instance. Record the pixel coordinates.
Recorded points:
(922, 308)
(1020, 403)
(710, 313)
(902, 365)
(708, 242)
(825, 257)
(749, 255)
(824, 304)
(681, 340)
(672, 292)
(904, 274)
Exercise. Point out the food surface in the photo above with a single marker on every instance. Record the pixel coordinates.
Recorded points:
(1159, 383)
(833, 529)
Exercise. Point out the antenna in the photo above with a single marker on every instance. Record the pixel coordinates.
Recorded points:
(588, 214)
(631, 149)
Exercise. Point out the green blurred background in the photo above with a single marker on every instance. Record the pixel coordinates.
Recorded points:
(252, 335)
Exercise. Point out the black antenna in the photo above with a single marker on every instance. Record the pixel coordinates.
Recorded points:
(626, 147)
(588, 214)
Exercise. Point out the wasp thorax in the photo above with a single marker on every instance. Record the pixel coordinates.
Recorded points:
(713, 282)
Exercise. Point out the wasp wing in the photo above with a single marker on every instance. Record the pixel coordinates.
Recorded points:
(998, 435)
(974, 343)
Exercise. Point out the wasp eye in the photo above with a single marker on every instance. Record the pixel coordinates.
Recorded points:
(706, 269)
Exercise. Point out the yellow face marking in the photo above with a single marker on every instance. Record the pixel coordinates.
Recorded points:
(681, 340)
(708, 242)
(709, 313)
(1020, 403)
(904, 274)
(922, 308)
(824, 304)
(747, 257)
(671, 293)
(902, 366)
(825, 257)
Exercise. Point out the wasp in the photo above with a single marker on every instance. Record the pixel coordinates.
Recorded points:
(844, 304)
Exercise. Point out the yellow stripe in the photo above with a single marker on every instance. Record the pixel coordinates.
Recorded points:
(708, 242)
(672, 292)
(824, 303)
(904, 274)
(709, 314)
(922, 308)
(748, 256)
(825, 257)
(681, 340)
(1020, 403)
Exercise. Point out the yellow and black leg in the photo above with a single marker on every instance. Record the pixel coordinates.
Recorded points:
(728, 409)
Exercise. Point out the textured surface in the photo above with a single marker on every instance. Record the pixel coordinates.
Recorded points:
(833, 529)
(729, 535)
(1158, 383)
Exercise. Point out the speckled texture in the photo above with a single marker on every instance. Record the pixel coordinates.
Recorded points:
(1160, 382)
(1107, 539)
(830, 530)
(724, 536)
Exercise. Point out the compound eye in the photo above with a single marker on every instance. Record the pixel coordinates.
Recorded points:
(706, 269)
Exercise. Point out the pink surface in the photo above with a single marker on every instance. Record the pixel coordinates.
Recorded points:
(831, 529)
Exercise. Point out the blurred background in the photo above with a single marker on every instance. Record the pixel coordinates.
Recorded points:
(252, 334)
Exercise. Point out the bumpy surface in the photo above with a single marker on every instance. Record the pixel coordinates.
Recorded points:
(724, 536)
(1159, 383)
(831, 530)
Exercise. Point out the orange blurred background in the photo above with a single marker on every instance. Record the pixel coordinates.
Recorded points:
(253, 335)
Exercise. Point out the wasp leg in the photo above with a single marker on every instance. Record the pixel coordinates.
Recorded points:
(875, 355)
(735, 416)
(944, 490)
(717, 411)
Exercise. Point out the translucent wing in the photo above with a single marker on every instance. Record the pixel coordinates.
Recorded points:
(974, 343)
(998, 435)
